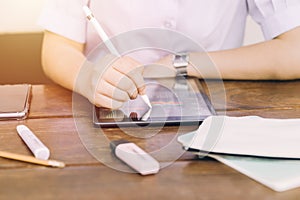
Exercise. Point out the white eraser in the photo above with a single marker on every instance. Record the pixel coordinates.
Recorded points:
(38, 149)
(135, 157)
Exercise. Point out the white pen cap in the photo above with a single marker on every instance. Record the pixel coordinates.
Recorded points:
(38, 149)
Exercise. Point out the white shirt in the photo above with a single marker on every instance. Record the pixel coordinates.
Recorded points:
(214, 24)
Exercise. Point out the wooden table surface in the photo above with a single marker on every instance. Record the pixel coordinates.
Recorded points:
(92, 172)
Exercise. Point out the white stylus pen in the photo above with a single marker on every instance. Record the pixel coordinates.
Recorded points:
(38, 149)
(107, 41)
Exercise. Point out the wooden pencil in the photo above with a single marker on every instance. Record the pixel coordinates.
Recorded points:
(30, 159)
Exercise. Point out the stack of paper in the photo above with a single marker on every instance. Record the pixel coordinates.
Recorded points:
(234, 142)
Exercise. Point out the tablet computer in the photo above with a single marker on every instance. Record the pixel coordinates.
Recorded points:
(175, 101)
(14, 101)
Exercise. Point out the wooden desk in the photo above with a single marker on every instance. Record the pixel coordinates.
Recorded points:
(87, 178)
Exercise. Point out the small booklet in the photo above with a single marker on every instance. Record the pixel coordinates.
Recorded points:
(14, 101)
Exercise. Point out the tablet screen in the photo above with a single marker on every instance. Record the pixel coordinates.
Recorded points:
(174, 101)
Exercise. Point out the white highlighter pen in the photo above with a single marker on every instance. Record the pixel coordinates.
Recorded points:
(38, 149)
(107, 42)
(135, 157)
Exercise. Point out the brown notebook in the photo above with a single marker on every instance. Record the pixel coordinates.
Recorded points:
(14, 101)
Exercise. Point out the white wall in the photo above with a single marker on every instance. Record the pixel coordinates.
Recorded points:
(21, 16)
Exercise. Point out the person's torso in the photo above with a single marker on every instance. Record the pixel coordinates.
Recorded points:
(213, 24)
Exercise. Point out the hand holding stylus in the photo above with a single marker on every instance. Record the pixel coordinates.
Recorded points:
(123, 80)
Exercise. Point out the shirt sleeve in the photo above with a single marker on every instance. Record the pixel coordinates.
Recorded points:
(275, 16)
(65, 17)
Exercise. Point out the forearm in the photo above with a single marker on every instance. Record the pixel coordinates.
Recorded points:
(109, 82)
(61, 62)
(276, 59)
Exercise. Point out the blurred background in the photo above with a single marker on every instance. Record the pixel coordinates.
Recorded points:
(21, 39)
(20, 42)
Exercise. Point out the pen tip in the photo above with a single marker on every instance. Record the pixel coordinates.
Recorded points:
(146, 100)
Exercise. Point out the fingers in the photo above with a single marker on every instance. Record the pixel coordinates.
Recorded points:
(120, 82)
(109, 96)
(132, 69)
(101, 100)
(112, 92)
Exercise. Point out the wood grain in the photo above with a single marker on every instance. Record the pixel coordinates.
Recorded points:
(248, 95)
(55, 101)
(182, 180)
(93, 172)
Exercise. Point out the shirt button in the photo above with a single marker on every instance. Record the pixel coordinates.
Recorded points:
(169, 24)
